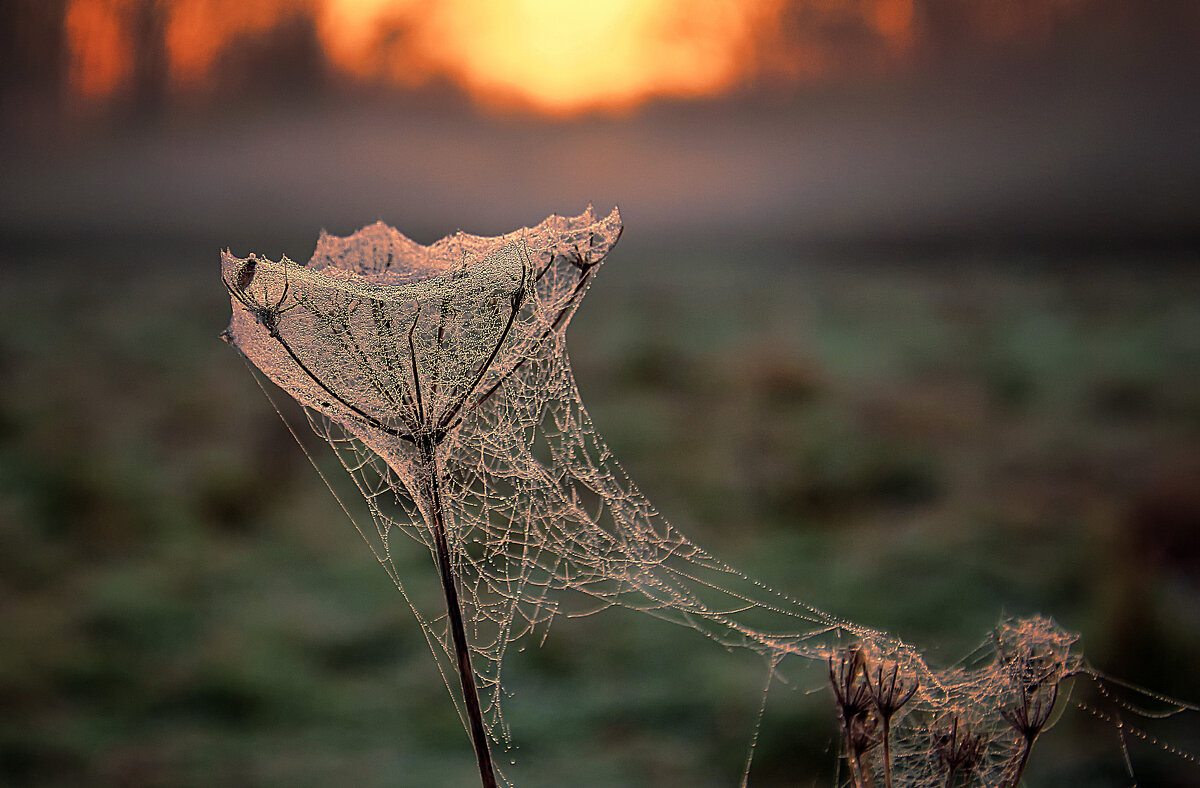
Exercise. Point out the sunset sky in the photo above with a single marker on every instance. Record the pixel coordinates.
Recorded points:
(552, 57)
(843, 119)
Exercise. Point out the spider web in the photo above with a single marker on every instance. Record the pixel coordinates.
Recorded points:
(440, 377)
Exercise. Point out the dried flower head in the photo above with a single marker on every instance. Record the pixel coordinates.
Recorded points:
(958, 748)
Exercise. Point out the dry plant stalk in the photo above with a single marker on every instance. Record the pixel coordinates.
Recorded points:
(439, 375)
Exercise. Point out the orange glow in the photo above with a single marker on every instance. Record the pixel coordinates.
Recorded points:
(557, 57)
(367, 39)
(198, 30)
(100, 46)
(894, 20)
(566, 57)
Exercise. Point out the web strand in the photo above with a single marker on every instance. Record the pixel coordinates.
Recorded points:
(453, 357)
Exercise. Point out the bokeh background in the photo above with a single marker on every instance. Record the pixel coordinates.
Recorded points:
(905, 322)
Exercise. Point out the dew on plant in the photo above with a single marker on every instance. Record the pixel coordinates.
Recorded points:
(440, 377)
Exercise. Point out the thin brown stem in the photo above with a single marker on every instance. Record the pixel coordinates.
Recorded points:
(412, 354)
(853, 761)
(887, 751)
(466, 674)
(864, 769)
(1026, 749)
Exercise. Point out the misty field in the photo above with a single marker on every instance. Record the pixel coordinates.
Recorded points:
(919, 446)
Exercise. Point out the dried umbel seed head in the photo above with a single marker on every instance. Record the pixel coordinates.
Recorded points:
(863, 734)
(1034, 652)
(1029, 715)
(439, 375)
(851, 691)
(890, 684)
(957, 747)
(861, 728)
(889, 674)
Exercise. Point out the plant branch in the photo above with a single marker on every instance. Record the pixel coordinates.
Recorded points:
(466, 674)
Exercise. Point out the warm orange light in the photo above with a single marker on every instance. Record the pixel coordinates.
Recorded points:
(557, 57)
(373, 39)
(100, 46)
(894, 20)
(554, 55)
(564, 56)
(197, 31)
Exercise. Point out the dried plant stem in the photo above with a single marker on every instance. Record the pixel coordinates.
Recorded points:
(466, 674)
(854, 762)
(887, 750)
(1026, 748)
(864, 770)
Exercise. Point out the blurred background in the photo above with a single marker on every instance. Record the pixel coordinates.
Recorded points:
(905, 322)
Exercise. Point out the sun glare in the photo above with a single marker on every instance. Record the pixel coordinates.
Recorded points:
(554, 57)
(566, 57)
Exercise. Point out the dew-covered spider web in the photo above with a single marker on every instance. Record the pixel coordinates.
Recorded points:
(439, 375)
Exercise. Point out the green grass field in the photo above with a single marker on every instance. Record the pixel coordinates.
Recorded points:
(920, 448)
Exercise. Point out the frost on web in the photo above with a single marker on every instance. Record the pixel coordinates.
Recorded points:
(439, 374)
